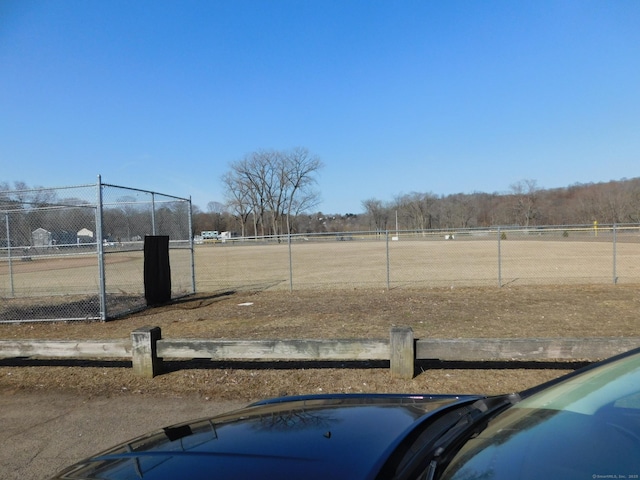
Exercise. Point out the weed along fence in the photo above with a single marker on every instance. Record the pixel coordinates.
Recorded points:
(147, 350)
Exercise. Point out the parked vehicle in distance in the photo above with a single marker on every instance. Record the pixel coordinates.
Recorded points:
(210, 235)
(582, 426)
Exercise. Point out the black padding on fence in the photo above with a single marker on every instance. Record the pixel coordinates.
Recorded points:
(157, 272)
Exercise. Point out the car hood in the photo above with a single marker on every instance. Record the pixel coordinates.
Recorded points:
(340, 436)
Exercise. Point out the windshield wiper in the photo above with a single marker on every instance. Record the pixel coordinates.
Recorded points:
(469, 425)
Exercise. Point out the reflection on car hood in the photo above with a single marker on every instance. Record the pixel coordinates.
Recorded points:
(340, 436)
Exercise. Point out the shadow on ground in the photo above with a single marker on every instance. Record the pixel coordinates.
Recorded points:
(205, 364)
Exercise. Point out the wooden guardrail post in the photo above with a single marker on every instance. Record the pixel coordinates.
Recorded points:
(402, 353)
(144, 353)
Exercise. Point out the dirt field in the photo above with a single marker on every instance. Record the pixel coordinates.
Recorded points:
(410, 262)
(417, 263)
(531, 311)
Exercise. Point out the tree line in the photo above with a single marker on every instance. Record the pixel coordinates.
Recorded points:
(273, 192)
(523, 205)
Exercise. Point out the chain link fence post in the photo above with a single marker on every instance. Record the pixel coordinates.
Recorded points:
(290, 262)
(9, 256)
(388, 260)
(615, 247)
(499, 258)
(102, 295)
(192, 248)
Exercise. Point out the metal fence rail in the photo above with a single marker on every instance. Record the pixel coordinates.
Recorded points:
(76, 253)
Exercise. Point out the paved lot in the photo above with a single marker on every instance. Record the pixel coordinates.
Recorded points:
(41, 434)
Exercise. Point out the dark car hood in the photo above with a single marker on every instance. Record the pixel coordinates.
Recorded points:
(343, 436)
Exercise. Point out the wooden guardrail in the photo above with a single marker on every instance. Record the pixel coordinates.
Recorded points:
(524, 349)
(147, 349)
(80, 349)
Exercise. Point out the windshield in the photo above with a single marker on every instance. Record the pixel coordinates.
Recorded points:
(584, 428)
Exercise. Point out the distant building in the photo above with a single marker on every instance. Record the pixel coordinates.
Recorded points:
(41, 238)
(85, 236)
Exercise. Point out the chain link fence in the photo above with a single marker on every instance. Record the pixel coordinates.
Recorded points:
(469, 257)
(77, 253)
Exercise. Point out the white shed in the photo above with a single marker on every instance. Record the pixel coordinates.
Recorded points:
(85, 236)
(40, 237)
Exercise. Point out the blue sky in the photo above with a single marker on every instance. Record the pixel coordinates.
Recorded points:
(393, 96)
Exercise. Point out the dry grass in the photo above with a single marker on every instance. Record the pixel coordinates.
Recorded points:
(533, 311)
(409, 263)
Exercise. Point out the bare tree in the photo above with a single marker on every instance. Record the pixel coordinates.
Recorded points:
(275, 184)
(378, 213)
(215, 207)
(633, 195)
(300, 168)
(525, 194)
(417, 210)
(462, 211)
(238, 201)
(249, 178)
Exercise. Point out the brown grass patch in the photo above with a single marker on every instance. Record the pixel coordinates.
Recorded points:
(516, 312)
